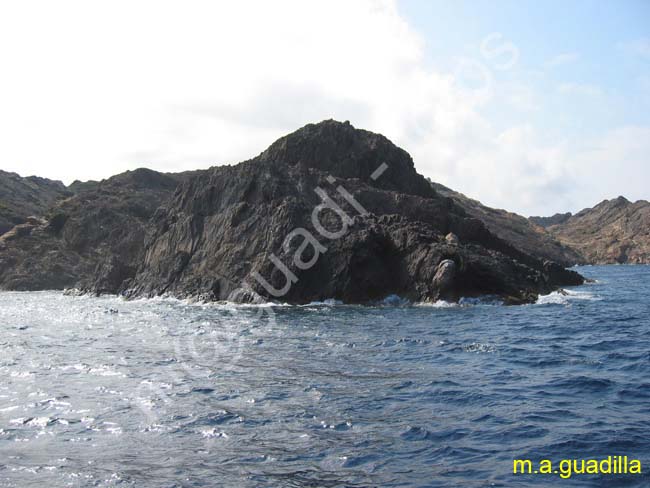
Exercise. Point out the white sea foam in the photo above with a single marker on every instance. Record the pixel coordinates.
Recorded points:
(564, 297)
(213, 433)
(103, 370)
(328, 302)
(389, 301)
(39, 421)
(463, 302)
(438, 304)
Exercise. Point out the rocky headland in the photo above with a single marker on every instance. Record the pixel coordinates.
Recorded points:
(329, 211)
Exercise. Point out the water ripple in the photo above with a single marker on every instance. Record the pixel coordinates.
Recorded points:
(164, 392)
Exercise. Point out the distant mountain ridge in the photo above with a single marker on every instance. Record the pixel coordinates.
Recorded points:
(615, 231)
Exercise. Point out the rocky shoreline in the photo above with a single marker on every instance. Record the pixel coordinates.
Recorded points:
(327, 212)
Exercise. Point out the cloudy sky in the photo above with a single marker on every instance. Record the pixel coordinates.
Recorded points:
(536, 107)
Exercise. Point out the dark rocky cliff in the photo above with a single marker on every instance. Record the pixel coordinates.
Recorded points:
(21, 198)
(329, 211)
(219, 232)
(91, 240)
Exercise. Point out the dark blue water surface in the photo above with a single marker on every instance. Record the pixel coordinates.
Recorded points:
(164, 393)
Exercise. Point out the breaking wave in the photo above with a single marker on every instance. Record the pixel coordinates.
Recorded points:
(565, 297)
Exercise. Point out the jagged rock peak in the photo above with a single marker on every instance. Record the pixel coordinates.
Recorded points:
(620, 201)
(144, 178)
(341, 150)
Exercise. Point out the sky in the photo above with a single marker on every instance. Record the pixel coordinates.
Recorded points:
(535, 107)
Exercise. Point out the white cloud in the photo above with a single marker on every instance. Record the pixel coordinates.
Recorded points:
(90, 90)
(512, 169)
(88, 87)
(616, 164)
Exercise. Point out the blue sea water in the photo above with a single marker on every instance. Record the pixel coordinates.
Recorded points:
(164, 393)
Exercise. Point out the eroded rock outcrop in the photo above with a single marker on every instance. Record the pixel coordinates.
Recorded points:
(227, 230)
(328, 211)
(21, 198)
(92, 240)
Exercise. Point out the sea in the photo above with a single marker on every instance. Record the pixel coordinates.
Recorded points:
(103, 391)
